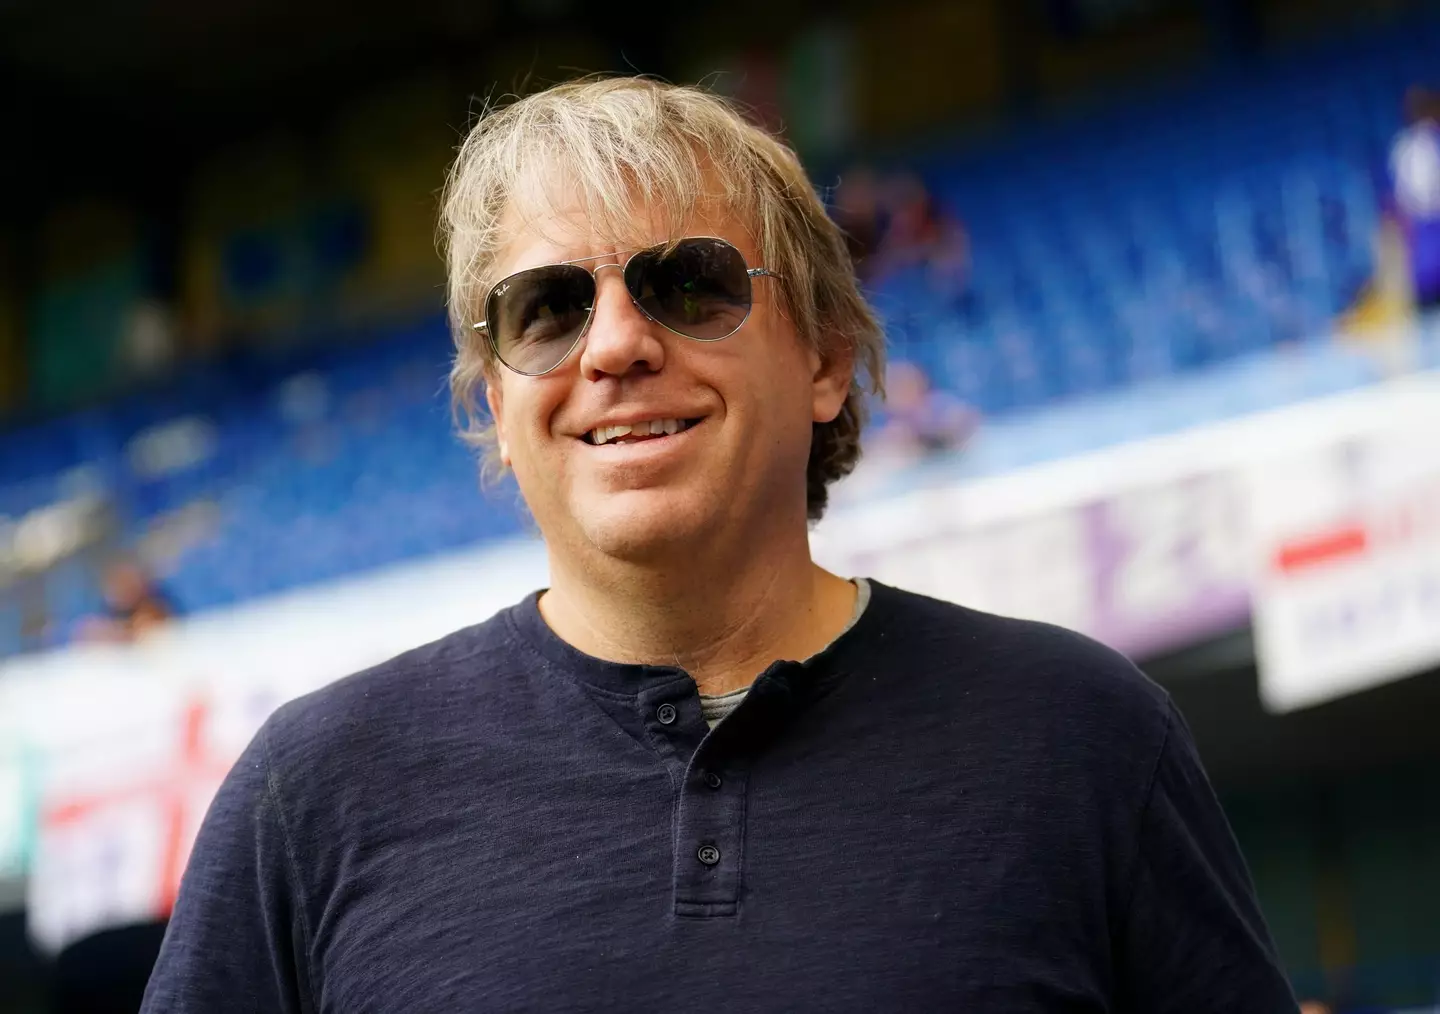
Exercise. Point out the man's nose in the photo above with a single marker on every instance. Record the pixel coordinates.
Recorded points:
(621, 339)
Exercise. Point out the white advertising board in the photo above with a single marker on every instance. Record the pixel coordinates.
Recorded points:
(1347, 588)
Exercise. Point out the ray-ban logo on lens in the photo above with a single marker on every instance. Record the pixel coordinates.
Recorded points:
(503, 289)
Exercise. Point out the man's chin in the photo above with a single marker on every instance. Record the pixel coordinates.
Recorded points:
(647, 530)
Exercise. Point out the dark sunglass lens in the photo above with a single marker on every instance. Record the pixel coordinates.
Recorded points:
(536, 316)
(699, 287)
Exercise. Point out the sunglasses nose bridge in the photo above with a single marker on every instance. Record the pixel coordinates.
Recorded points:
(626, 294)
(624, 281)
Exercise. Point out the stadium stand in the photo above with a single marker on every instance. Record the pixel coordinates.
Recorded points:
(1181, 262)
(1206, 225)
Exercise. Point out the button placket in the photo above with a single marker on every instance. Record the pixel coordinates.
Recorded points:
(673, 722)
(710, 772)
(710, 832)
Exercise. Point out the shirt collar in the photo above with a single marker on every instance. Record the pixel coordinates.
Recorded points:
(630, 679)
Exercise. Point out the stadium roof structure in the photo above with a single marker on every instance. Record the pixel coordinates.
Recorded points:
(152, 81)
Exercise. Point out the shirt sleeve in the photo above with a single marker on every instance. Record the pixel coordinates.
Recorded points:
(236, 940)
(1194, 940)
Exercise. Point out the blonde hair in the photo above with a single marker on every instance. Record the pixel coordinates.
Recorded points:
(610, 139)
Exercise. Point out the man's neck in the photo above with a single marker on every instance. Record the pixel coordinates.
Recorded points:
(722, 624)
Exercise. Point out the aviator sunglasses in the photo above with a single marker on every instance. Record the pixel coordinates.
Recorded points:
(698, 288)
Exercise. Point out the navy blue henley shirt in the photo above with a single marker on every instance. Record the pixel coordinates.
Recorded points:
(945, 810)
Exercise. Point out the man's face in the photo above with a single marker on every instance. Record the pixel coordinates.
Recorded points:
(750, 400)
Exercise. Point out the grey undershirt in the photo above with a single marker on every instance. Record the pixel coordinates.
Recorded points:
(716, 706)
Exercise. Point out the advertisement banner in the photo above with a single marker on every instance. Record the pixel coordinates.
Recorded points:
(1147, 570)
(1348, 591)
(117, 823)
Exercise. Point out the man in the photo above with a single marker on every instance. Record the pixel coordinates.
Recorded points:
(134, 605)
(697, 771)
(1415, 194)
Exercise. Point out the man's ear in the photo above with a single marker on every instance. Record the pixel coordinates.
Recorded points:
(832, 373)
(494, 401)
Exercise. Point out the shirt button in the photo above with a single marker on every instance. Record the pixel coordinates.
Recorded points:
(712, 779)
(708, 854)
(666, 713)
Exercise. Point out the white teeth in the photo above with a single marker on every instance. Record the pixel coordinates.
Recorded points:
(645, 428)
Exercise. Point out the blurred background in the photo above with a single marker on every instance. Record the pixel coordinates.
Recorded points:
(1156, 276)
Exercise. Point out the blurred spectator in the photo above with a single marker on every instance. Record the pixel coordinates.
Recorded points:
(894, 224)
(914, 422)
(1415, 192)
(134, 605)
(1314, 1007)
(148, 346)
(859, 211)
(920, 233)
(919, 420)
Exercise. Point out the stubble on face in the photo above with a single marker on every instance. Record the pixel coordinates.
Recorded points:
(736, 473)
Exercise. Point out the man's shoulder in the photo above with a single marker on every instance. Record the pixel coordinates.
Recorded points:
(1047, 667)
(408, 694)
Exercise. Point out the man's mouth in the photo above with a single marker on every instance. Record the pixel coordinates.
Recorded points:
(650, 429)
